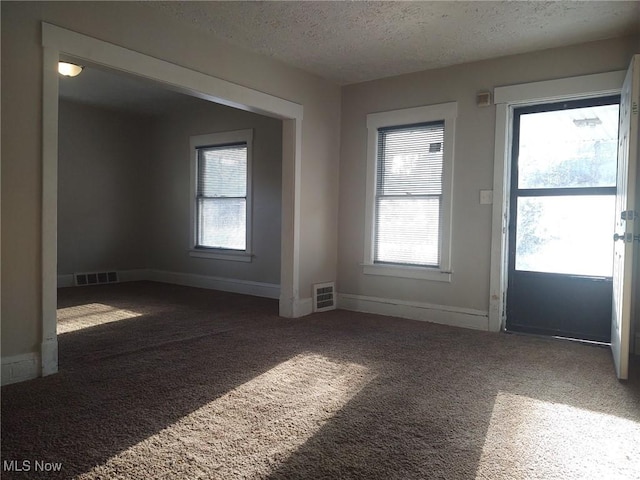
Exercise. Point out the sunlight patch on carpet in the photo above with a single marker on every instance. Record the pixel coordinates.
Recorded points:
(529, 438)
(71, 319)
(249, 431)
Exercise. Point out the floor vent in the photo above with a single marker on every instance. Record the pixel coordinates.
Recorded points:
(97, 278)
(324, 297)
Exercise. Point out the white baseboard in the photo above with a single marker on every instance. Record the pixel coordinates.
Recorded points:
(67, 280)
(246, 287)
(295, 308)
(453, 316)
(133, 275)
(19, 368)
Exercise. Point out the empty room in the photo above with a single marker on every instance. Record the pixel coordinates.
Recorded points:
(320, 240)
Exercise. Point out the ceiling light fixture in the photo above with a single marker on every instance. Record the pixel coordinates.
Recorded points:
(69, 69)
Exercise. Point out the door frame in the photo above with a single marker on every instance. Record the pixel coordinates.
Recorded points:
(57, 41)
(507, 98)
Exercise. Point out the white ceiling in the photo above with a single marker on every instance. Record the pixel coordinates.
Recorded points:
(355, 41)
(110, 89)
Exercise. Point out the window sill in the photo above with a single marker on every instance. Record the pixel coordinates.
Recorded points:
(400, 271)
(215, 254)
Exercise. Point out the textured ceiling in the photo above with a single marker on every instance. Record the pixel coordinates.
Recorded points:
(355, 41)
(349, 42)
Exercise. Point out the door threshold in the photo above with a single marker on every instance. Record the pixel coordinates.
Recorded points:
(595, 343)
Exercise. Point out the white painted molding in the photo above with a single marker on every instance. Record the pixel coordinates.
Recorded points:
(445, 315)
(599, 84)
(246, 287)
(179, 78)
(295, 308)
(49, 355)
(134, 275)
(20, 368)
(499, 222)
(67, 280)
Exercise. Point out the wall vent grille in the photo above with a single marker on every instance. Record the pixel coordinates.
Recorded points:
(95, 278)
(324, 297)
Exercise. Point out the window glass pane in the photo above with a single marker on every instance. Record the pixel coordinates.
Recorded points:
(407, 230)
(222, 223)
(568, 148)
(410, 160)
(566, 234)
(222, 171)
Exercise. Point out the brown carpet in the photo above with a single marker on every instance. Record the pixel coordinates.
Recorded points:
(162, 381)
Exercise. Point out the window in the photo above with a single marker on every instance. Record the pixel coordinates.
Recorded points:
(221, 188)
(409, 176)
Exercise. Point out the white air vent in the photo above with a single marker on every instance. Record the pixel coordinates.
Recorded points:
(324, 297)
(96, 278)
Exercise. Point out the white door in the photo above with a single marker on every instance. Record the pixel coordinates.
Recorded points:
(626, 223)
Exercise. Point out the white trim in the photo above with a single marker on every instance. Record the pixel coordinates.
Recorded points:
(499, 243)
(402, 271)
(173, 76)
(442, 314)
(221, 254)
(246, 287)
(290, 240)
(135, 275)
(19, 368)
(68, 280)
(49, 209)
(303, 307)
(55, 41)
(587, 86)
(444, 111)
(213, 139)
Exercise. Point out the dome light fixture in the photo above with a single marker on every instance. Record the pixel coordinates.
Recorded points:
(69, 69)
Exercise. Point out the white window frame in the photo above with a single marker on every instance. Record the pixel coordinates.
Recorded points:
(446, 112)
(212, 140)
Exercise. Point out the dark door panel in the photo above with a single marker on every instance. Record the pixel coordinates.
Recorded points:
(560, 305)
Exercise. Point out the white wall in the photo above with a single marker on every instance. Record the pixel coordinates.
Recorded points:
(169, 180)
(473, 166)
(150, 31)
(102, 189)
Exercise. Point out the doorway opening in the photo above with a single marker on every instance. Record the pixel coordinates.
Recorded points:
(562, 213)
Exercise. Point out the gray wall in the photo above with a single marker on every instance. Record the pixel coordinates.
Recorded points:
(169, 174)
(124, 190)
(473, 163)
(102, 189)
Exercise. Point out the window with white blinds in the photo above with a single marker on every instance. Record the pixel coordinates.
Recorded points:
(409, 194)
(409, 184)
(222, 195)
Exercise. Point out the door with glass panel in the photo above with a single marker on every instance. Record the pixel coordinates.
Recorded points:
(562, 213)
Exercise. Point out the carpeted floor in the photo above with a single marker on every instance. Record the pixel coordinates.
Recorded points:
(162, 381)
